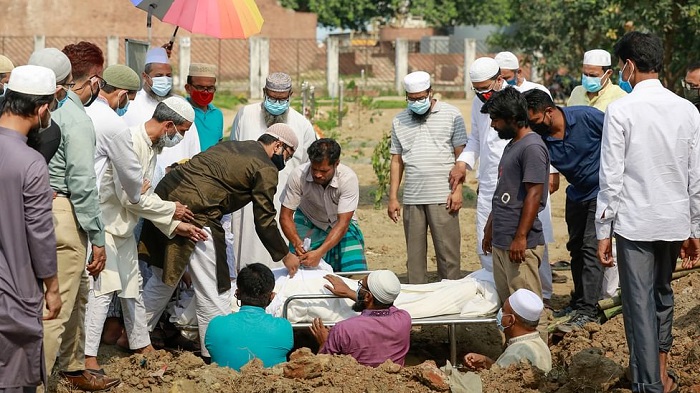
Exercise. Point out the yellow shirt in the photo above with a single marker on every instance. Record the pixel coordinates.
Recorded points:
(605, 96)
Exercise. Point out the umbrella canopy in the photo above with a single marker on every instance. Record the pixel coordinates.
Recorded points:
(216, 18)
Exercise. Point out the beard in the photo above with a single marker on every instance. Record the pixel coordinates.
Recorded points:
(158, 146)
(507, 132)
(271, 119)
(359, 305)
(156, 97)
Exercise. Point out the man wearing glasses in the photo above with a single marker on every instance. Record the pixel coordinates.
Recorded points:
(251, 121)
(691, 84)
(208, 119)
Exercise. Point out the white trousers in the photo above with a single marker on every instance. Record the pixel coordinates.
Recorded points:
(209, 302)
(134, 314)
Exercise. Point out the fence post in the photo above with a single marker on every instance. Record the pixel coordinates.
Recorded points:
(341, 90)
(469, 57)
(332, 55)
(259, 55)
(185, 59)
(39, 42)
(401, 63)
(112, 50)
(264, 62)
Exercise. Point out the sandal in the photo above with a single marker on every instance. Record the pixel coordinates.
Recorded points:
(561, 265)
(676, 381)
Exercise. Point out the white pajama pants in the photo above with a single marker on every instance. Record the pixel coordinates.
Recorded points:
(209, 302)
(134, 314)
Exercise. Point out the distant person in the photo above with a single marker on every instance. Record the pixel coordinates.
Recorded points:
(380, 332)
(235, 339)
(513, 74)
(208, 119)
(691, 84)
(596, 89)
(319, 204)
(6, 67)
(518, 320)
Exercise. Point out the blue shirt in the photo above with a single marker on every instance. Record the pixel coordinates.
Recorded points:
(577, 155)
(235, 339)
(210, 125)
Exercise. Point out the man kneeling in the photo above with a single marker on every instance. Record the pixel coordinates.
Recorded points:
(235, 339)
(380, 332)
(518, 319)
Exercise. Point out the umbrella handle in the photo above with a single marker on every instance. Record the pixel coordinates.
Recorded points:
(172, 39)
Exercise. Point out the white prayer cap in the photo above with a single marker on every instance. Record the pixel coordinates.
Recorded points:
(53, 59)
(417, 81)
(526, 304)
(33, 80)
(284, 134)
(5, 65)
(483, 68)
(384, 285)
(181, 107)
(157, 55)
(597, 57)
(507, 61)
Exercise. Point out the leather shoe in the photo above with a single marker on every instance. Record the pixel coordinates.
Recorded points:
(90, 382)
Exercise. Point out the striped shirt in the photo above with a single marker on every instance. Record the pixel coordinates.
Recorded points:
(427, 150)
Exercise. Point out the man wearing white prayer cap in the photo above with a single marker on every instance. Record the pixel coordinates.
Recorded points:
(425, 139)
(596, 89)
(518, 320)
(513, 74)
(380, 332)
(6, 68)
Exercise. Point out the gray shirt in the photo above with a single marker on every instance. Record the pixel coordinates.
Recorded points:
(523, 161)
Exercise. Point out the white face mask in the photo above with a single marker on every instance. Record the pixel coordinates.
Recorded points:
(170, 141)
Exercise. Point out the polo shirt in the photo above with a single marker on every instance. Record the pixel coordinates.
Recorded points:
(605, 96)
(210, 125)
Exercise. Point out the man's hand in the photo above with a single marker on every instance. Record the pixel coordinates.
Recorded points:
(187, 279)
(311, 258)
(394, 210)
(52, 298)
(458, 174)
(477, 361)
(486, 245)
(605, 252)
(97, 264)
(182, 213)
(146, 185)
(454, 201)
(291, 262)
(690, 253)
(553, 182)
(190, 231)
(299, 249)
(339, 288)
(319, 331)
(517, 249)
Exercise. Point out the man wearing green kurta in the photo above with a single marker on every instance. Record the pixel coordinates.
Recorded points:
(219, 181)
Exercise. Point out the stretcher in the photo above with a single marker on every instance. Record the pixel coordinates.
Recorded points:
(450, 320)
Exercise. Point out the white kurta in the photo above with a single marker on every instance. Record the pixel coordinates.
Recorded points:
(249, 124)
(140, 111)
(120, 218)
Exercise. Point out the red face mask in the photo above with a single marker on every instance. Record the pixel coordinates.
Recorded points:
(485, 96)
(201, 98)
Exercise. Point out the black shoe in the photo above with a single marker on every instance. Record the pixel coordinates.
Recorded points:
(566, 311)
(578, 321)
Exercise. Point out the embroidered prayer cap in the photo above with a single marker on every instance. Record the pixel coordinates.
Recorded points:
(384, 286)
(416, 82)
(157, 55)
(284, 134)
(279, 82)
(52, 59)
(483, 68)
(181, 107)
(122, 77)
(6, 65)
(597, 57)
(33, 80)
(202, 69)
(507, 61)
(526, 304)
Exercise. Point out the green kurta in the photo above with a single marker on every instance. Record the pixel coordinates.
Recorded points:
(215, 182)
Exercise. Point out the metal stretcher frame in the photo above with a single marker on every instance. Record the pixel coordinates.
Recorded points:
(451, 320)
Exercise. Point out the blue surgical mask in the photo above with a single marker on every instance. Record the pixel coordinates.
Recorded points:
(499, 320)
(625, 84)
(162, 85)
(591, 84)
(513, 81)
(419, 107)
(122, 111)
(275, 107)
(62, 101)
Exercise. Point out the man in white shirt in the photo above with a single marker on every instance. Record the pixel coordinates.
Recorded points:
(650, 200)
(513, 75)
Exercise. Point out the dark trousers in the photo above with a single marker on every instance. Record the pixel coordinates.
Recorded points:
(647, 306)
(586, 270)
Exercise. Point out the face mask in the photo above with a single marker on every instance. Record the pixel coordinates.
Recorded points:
(591, 84)
(62, 101)
(419, 107)
(122, 111)
(625, 85)
(275, 107)
(201, 98)
(93, 96)
(692, 95)
(43, 128)
(499, 320)
(359, 304)
(162, 85)
(170, 141)
(513, 81)
(278, 160)
(484, 96)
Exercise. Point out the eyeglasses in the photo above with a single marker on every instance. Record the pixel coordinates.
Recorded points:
(101, 83)
(289, 150)
(414, 99)
(688, 85)
(67, 85)
(488, 89)
(206, 89)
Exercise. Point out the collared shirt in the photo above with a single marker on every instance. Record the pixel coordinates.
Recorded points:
(577, 155)
(528, 347)
(372, 337)
(235, 339)
(322, 204)
(650, 167)
(427, 149)
(601, 100)
(113, 144)
(210, 125)
(72, 168)
(527, 86)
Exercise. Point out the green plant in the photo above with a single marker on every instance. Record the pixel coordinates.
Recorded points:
(381, 163)
(227, 100)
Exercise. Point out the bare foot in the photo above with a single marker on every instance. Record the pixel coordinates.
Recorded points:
(123, 341)
(146, 349)
(91, 363)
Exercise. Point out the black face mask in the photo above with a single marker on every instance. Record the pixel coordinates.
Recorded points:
(93, 97)
(278, 160)
(540, 128)
(484, 96)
